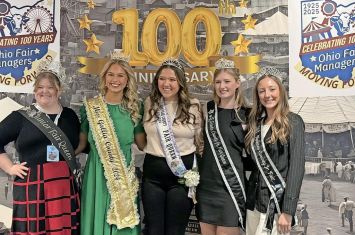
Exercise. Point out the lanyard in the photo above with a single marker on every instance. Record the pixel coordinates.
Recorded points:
(55, 119)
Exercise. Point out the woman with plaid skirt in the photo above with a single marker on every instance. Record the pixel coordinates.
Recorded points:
(45, 196)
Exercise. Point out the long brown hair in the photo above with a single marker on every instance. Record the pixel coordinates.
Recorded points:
(130, 100)
(280, 127)
(183, 113)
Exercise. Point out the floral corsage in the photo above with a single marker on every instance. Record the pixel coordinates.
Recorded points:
(191, 178)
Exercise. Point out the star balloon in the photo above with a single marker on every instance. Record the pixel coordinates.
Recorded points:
(85, 22)
(243, 3)
(241, 45)
(91, 4)
(93, 44)
(249, 22)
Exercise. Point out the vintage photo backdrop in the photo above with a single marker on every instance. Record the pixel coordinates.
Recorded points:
(330, 121)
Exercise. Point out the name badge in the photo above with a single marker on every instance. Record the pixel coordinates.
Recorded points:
(52, 154)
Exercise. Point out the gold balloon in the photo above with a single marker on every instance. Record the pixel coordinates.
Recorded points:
(128, 18)
(93, 44)
(91, 4)
(249, 22)
(149, 35)
(85, 22)
(241, 45)
(213, 36)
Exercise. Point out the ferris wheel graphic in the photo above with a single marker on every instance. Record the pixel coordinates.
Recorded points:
(70, 11)
(40, 20)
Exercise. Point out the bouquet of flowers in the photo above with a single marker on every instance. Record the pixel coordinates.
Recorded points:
(191, 178)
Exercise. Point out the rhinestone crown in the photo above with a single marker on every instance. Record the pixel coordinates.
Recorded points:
(224, 64)
(117, 54)
(51, 66)
(173, 62)
(268, 70)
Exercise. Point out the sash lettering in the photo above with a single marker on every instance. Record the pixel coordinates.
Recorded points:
(122, 183)
(55, 135)
(224, 162)
(271, 175)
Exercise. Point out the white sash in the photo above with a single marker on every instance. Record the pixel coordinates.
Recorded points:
(167, 140)
(168, 143)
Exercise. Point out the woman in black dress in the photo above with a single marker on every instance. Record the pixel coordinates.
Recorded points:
(45, 196)
(221, 193)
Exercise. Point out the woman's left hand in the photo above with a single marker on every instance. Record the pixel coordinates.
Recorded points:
(284, 223)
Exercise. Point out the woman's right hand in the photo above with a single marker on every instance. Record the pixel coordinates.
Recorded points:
(19, 170)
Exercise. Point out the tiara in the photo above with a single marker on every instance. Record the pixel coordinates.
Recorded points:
(268, 70)
(173, 62)
(224, 64)
(117, 54)
(53, 67)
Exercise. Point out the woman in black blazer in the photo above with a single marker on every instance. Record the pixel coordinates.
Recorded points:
(275, 140)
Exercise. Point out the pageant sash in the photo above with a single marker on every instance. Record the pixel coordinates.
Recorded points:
(55, 135)
(121, 182)
(172, 154)
(168, 143)
(224, 162)
(271, 175)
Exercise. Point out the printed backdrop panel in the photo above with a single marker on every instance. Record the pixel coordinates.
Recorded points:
(29, 31)
(322, 52)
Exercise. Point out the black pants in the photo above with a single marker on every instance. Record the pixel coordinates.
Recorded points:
(349, 216)
(166, 205)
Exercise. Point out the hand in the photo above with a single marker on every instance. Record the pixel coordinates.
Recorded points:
(19, 170)
(284, 223)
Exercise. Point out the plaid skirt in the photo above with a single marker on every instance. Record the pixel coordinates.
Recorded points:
(46, 201)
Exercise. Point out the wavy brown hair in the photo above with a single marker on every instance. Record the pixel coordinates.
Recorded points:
(280, 127)
(130, 100)
(184, 100)
(239, 98)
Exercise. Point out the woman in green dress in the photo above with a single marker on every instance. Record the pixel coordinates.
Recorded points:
(110, 123)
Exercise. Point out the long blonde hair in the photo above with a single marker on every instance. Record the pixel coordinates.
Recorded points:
(239, 98)
(130, 100)
(280, 127)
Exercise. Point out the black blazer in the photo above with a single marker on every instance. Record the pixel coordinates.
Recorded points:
(237, 128)
(237, 125)
(289, 159)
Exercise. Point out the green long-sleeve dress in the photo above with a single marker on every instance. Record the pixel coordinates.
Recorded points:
(95, 198)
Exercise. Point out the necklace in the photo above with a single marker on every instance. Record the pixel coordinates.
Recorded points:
(111, 103)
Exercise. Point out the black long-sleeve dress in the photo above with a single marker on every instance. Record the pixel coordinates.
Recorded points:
(214, 203)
